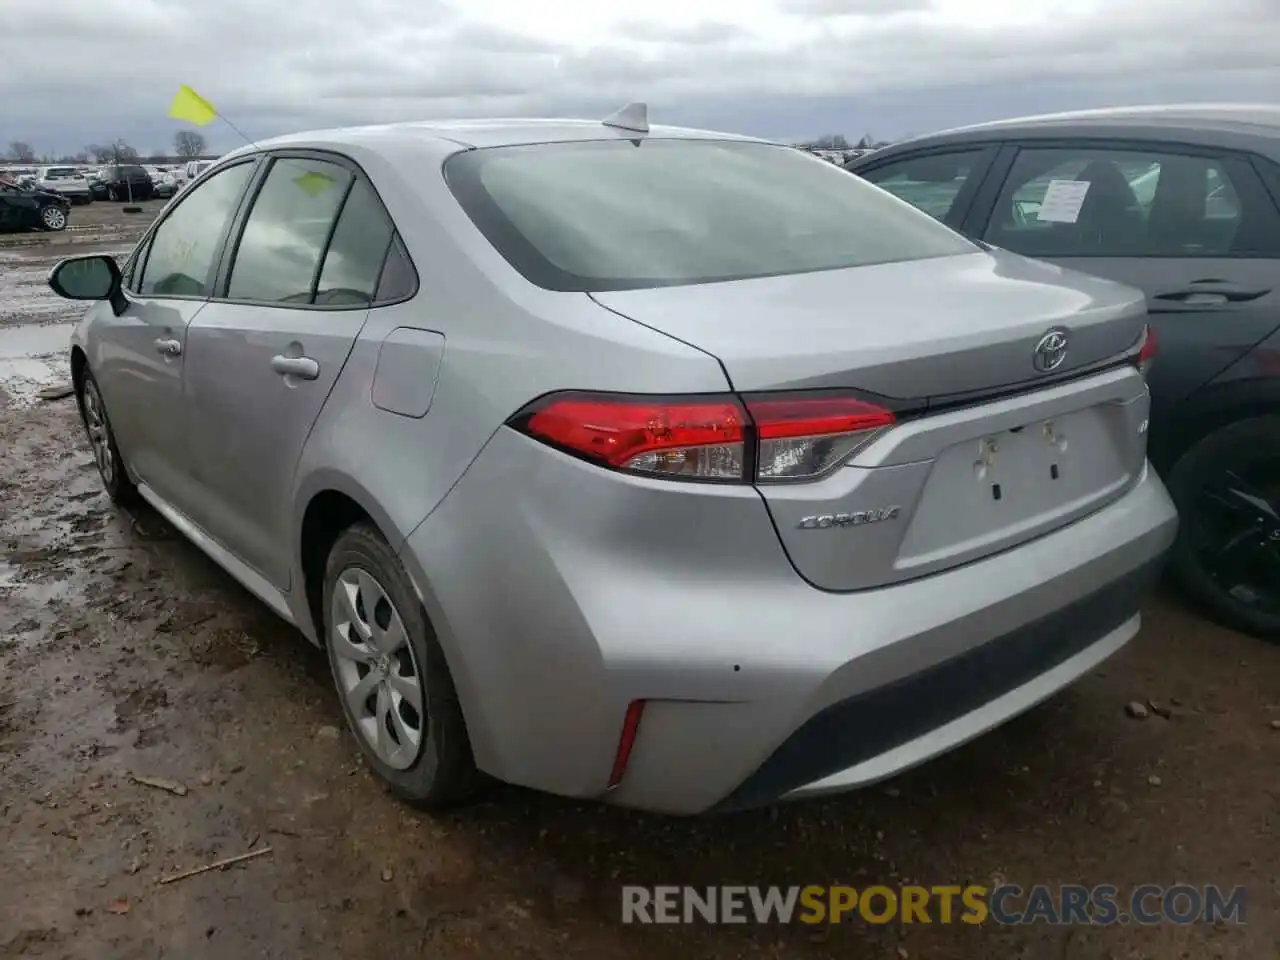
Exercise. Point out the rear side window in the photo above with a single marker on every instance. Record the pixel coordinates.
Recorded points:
(185, 244)
(354, 258)
(285, 234)
(611, 215)
(1129, 203)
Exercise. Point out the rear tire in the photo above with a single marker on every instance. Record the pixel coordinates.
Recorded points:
(384, 656)
(1227, 554)
(53, 218)
(102, 441)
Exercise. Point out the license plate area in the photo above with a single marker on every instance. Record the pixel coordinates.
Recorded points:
(991, 490)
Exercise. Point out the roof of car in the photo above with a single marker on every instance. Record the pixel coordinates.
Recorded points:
(1192, 122)
(489, 133)
(1208, 115)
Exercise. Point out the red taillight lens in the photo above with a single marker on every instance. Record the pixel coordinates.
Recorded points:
(802, 438)
(798, 436)
(688, 437)
(1146, 349)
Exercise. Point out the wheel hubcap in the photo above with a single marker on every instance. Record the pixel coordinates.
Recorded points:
(53, 217)
(377, 670)
(95, 423)
(1236, 531)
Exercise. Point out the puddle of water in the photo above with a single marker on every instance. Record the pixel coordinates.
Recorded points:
(32, 358)
(19, 343)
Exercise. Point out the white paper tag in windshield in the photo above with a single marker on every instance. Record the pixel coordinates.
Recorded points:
(1063, 200)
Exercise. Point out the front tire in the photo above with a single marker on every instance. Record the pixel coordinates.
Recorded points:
(102, 440)
(1227, 555)
(390, 672)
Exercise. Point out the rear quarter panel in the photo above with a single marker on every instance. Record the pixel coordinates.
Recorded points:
(505, 344)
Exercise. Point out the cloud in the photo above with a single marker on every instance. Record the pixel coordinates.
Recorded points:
(742, 64)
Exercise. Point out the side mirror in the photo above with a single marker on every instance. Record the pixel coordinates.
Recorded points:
(94, 277)
(85, 278)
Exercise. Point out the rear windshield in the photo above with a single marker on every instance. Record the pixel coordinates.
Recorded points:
(133, 171)
(610, 215)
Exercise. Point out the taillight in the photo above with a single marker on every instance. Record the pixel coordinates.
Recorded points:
(692, 438)
(1147, 347)
(805, 437)
(767, 439)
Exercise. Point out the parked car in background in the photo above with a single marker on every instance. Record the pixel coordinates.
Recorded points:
(68, 181)
(190, 171)
(1182, 202)
(25, 209)
(127, 182)
(98, 188)
(750, 482)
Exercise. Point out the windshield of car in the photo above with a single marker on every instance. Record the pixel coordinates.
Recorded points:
(132, 171)
(59, 173)
(613, 215)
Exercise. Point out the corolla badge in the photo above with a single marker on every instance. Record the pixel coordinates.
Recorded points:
(1051, 351)
(856, 518)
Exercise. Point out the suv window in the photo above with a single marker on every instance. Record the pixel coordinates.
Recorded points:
(58, 173)
(608, 215)
(930, 182)
(356, 252)
(284, 237)
(1122, 203)
(184, 247)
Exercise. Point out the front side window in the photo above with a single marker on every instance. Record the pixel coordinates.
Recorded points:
(930, 183)
(286, 231)
(185, 245)
(1099, 202)
(612, 215)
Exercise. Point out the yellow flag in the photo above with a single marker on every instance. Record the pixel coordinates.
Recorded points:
(314, 183)
(189, 105)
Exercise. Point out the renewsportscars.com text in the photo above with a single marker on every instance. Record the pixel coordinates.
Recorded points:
(1064, 904)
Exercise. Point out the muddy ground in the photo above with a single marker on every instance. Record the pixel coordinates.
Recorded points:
(124, 653)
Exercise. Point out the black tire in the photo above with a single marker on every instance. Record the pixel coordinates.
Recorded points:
(1242, 456)
(442, 773)
(115, 480)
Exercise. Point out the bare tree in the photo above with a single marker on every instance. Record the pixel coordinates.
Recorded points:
(188, 143)
(121, 152)
(22, 152)
(99, 152)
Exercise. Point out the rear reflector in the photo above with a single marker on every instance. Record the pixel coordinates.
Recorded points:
(630, 727)
(769, 438)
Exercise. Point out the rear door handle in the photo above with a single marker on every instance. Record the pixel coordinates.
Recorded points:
(1213, 291)
(168, 347)
(304, 368)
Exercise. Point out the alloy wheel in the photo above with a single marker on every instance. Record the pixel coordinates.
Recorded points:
(53, 218)
(95, 423)
(377, 670)
(1235, 529)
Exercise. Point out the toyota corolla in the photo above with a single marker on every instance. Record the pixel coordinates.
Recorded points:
(669, 467)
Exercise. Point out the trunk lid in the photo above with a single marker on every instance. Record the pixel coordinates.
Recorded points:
(998, 452)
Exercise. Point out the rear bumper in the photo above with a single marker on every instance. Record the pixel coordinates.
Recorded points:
(561, 596)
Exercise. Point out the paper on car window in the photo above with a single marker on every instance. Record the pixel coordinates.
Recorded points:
(1063, 200)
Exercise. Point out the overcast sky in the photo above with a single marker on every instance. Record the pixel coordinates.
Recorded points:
(87, 71)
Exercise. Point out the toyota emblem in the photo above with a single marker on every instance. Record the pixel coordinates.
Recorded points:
(1051, 351)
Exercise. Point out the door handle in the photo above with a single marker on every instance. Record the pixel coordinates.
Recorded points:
(304, 368)
(168, 347)
(1213, 291)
